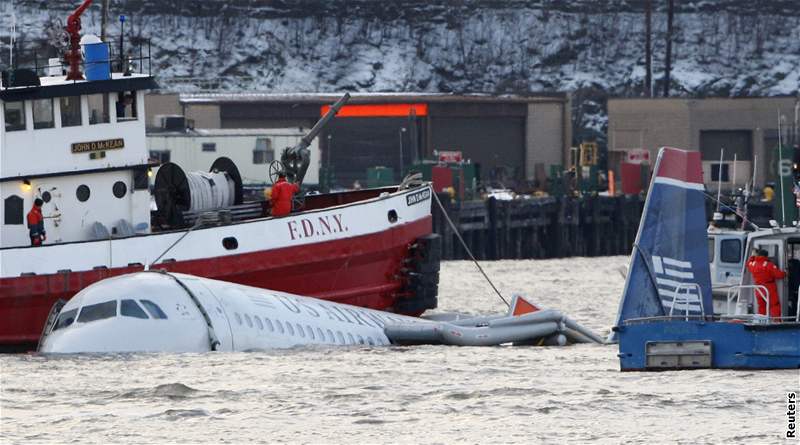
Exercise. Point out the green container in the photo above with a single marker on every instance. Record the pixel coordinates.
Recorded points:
(380, 177)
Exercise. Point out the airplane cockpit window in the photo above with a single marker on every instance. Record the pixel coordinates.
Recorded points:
(153, 309)
(129, 308)
(65, 319)
(99, 311)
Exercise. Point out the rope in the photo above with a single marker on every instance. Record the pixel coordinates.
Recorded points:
(744, 218)
(469, 252)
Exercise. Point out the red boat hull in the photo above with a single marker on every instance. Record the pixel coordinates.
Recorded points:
(362, 271)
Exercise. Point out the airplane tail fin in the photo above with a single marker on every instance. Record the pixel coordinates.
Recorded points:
(669, 264)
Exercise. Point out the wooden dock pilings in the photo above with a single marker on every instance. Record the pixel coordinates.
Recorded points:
(539, 227)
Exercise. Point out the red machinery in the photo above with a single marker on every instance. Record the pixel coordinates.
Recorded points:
(73, 55)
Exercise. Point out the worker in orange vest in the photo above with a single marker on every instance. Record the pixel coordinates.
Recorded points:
(282, 194)
(765, 273)
(36, 223)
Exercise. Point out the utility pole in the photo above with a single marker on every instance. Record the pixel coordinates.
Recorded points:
(668, 64)
(103, 20)
(648, 56)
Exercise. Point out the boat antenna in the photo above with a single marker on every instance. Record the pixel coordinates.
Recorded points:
(727, 207)
(719, 177)
(749, 194)
(11, 39)
(466, 248)
(780, 168)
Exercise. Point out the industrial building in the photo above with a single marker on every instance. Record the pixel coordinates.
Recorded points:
(514, 139)
(744, 129)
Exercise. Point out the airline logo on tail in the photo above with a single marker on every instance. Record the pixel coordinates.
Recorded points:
(676, 284)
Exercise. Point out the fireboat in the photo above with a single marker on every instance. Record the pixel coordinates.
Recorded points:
(77, 143)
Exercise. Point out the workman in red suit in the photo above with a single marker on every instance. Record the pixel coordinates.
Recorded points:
(36, 223)
(282, 194)
(765, 272)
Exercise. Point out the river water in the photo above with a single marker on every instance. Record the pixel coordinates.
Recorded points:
(429, 394)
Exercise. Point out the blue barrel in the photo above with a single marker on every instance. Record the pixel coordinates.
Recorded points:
(96, 62)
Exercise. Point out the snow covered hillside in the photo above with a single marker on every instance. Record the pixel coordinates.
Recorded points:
(592, 48)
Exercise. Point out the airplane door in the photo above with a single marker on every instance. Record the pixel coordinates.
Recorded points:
(214, 308)
(51, 198)
(777, 254)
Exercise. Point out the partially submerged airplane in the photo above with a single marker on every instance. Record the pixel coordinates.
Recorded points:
(157, 311)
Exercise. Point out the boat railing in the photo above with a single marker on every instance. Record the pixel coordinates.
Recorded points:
(136, 59)
(797, 305)
(735, 293)
(687, 298)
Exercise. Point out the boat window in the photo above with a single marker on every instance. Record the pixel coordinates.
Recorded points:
(98, 311)
(289, 328)
(119, 189)
(98, 108)
(43, 114)
(83, 192)
(300, 330)
(340, 336)
(360, 340)
(370, 341)
(730, 251)
(258, 322)
(248, 320)
(14, 209)
(65, 319)
(279, 326)
(209, 146)
(15, 115)
(70, 111)
(238, 318)
(268, 322)
(129, 308)
(710, 250)
(126, 106)
(153, 309)
(263, 152)
(310, 332)
(350, 339)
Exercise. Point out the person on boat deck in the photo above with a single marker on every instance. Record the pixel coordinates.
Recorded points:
(36, 223)
(282, 194)
(765, 273)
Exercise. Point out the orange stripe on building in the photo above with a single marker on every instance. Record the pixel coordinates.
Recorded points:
(379, 110)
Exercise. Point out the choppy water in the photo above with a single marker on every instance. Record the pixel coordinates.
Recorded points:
(425, 394)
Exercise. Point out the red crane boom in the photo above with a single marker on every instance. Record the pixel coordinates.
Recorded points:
(73, 55)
